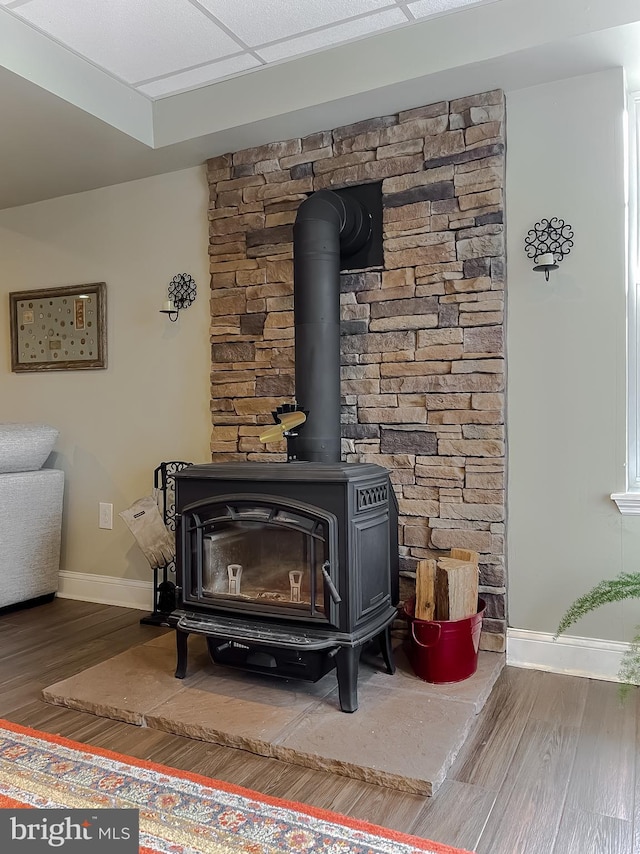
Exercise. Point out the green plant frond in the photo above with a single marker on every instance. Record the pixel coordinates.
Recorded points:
(629, 672)
(623, 586)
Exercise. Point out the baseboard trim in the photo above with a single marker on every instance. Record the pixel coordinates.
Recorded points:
(574, 656)
(590, 657)
(106, 590)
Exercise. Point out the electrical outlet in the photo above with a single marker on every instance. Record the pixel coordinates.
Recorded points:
(106, 516)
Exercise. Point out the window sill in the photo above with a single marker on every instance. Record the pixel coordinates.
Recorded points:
(628, 502)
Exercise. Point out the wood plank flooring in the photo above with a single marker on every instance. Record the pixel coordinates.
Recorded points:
(551, 767)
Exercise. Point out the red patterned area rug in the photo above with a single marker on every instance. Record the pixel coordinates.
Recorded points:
(180, 812)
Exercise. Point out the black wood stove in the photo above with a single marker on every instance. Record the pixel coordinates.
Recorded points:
(286, 567)
(291, 568)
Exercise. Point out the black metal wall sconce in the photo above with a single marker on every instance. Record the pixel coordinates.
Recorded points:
(181, 292)
(547, 243)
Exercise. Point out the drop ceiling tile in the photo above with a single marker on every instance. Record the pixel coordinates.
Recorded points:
(423, 8)
(132, 40)
(198, 76)
(332, 36)
(269, 20)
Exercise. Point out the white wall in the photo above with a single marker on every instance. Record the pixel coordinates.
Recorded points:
(152, 402)
(566, 357)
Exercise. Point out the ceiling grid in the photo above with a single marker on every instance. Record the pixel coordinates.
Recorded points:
(96, 93)
(165, 47)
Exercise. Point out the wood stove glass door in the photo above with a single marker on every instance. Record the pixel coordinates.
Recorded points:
(255, 555)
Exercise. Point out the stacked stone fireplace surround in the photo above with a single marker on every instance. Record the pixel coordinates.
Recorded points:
(423, 367)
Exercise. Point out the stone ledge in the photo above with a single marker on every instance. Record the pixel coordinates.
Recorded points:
(296, 722)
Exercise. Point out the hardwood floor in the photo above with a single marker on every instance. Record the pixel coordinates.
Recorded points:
(552, 766)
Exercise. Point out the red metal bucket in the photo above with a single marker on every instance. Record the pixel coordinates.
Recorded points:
(442, 651)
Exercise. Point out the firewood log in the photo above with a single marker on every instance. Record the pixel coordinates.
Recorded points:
(425, 590)
(456, 589)
(465, 554)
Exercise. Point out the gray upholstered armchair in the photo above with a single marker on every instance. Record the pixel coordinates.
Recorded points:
(30, 513)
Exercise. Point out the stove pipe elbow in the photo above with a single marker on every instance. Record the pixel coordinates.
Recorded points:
(328, 227)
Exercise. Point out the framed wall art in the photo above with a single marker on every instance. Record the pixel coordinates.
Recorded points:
(59, 329)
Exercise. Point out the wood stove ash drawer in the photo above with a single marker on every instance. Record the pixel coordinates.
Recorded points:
(287, 663)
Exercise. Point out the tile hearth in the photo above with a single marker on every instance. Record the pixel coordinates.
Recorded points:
(405, 734)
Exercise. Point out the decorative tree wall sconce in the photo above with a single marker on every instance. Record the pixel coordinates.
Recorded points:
(181, 292)
(547, 243)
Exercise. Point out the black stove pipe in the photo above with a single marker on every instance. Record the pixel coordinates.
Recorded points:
(327, 227)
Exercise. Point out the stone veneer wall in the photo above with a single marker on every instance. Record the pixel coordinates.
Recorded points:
(423, 369)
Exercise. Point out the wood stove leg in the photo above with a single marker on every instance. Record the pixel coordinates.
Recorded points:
(384, 639)
(347, 660)
(182, 649)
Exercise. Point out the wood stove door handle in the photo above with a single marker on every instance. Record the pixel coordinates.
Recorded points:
(332, 588)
